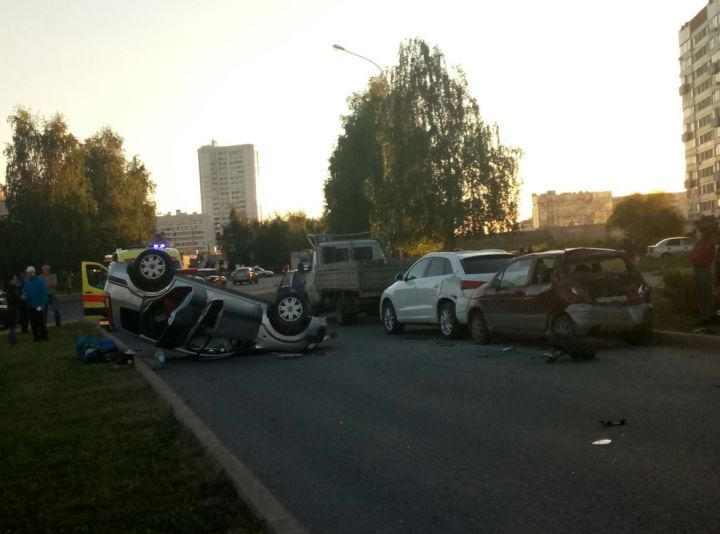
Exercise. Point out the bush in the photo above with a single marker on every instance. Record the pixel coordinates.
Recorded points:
(680, 289)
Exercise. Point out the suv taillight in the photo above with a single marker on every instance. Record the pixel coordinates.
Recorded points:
(470, 284)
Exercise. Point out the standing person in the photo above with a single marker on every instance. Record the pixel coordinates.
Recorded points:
(23, 314)
(36, 299)
(13, 301)
(702, 257)
(50, 280)
(631, 248)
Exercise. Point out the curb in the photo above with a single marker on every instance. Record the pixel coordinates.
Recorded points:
(250, 489)
(686, 339)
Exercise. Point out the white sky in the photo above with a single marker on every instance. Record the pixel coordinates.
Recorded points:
(588, 90)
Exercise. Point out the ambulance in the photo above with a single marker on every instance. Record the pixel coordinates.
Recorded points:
(94, 275)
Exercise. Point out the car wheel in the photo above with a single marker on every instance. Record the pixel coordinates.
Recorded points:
(152, 270)
(449, 325)
(563, 324)
(478, 328)
(344, 310)
(665, 256)
(390, 320)
(289, 314)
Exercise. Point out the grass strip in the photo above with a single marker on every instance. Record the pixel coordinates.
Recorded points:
(88, 448)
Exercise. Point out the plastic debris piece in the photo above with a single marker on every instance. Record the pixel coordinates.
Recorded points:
(610, 423)
(507, 349)
(602, 442)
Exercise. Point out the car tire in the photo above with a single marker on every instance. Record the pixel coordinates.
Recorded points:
(449, 325)
(563, 324)
(479, 328)
(390, 321)
(344, 310)
(152, 270)
(665, 256)
(289, 313)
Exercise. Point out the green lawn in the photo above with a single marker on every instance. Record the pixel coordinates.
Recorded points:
(88, 448)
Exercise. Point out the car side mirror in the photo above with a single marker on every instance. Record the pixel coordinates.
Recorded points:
(399, 277)
(495, 284)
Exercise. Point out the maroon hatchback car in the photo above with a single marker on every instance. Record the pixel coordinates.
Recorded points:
(574, 291)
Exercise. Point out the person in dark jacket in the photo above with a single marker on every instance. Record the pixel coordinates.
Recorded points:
(702, 257)
(13, 300)
(36, 299)
(23, 315)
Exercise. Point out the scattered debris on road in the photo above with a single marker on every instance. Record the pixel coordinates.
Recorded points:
(602, 442)
(608, 423)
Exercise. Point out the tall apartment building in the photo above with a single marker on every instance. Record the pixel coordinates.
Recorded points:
(187, 232)
(228, 176)
(699, 59)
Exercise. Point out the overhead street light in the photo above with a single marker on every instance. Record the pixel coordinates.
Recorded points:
(343, 49)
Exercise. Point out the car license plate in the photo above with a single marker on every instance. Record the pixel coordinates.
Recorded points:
(618, 298)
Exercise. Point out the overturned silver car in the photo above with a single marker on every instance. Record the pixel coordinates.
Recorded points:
(150, 299)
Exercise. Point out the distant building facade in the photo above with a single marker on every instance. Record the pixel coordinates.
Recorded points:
(552, 210)
(228, 177)
(699, 41)
(187, 232)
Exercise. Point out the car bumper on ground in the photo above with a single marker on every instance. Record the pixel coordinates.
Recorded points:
(602, 318)
(270, 339)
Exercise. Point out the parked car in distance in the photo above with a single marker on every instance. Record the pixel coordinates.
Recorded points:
(671, 246)
(213, 276)
(260, 272)
(437, 289)
(244, 275)
(573, 292)
(3, 308)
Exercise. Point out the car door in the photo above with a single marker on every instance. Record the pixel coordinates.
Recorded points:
(503, 302)
(406, 293)
(539, 298)
(430, 287)
(93, 276)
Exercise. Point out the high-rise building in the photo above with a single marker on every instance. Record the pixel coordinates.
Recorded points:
(700, 92)
(228, 176)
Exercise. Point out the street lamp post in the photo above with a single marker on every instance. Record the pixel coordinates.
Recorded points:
(343, 49)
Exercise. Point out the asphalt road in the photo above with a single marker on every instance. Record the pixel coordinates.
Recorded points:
(412, 433)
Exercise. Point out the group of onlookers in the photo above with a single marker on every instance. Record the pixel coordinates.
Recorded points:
(29, 297)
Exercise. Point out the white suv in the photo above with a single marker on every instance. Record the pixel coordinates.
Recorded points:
(437, 288)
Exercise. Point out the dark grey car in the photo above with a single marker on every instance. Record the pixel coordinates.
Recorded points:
(182, 313)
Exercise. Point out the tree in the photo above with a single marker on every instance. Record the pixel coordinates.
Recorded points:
(125, 211)
(68, 201)
(355, 160)
(648, 218)
(428, 165)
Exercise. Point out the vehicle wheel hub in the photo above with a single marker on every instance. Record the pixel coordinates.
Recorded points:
(152, 267)
(290, 309)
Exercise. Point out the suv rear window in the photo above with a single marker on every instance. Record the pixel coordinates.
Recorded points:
(485, 264)
(599, 269)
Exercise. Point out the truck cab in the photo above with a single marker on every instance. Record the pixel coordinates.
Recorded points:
(347, 275)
